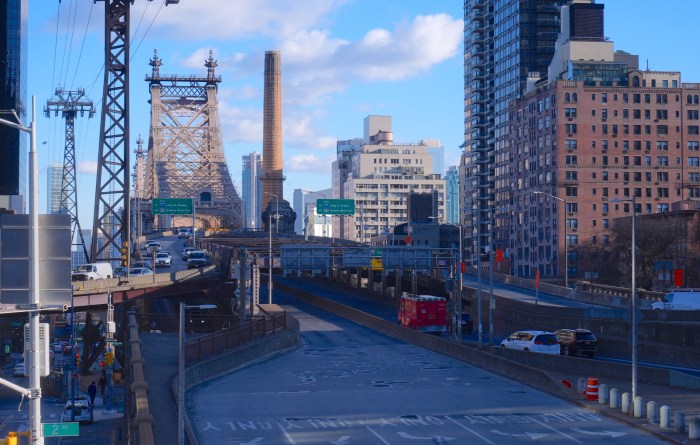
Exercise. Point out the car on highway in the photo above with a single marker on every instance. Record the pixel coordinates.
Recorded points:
(196, 259)
(18, 370)
(577, 342)
(680, 299)
(120, 271)
(140, 271)
(163, 259)
(186, 252)
(535, 341)
(83, 410)
(152, 244)
(146, 264)
(183, 233)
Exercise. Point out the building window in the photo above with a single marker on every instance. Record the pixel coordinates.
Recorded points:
(662, 145)
(571, 207)
(571, 144)
(571, 128)
(572, 191)
(693, 129)
(663, 161)
(693, 162)
(570, 112)
(571, 159)
(693, 115)
(571, 223)
(694, 145)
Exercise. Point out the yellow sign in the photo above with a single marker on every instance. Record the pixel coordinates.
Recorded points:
(377, 264)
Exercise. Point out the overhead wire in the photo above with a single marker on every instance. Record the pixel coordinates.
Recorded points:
(82, 45)
(133, 53)
(65, 43)
(70, 45)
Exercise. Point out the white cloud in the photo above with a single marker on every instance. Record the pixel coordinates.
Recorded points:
(89, 167)
(308, 163)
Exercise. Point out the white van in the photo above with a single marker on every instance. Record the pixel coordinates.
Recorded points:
(679, 300)
(92, 271)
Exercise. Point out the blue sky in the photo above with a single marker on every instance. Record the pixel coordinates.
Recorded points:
(341, 61)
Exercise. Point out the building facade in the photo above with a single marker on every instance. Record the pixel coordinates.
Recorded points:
(311, 223)
(452, 195)
(595, 140)
(13, 96)
(379, 174)
(54, 182)
(251, 190)
(504, 40)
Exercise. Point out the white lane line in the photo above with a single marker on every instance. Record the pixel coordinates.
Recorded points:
(554, 429)
(287, 435)
(466, 428)
(377, 435)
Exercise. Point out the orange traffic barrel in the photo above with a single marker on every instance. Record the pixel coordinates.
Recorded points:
(592, 389)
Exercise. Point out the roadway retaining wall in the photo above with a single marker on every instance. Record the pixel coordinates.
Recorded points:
(250, 353)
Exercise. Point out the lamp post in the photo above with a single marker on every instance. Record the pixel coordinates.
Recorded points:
(34, 305)
(566, 241)
(269, 226)
(634, 291)
(181, 370)
(492, 303)
(480, 326)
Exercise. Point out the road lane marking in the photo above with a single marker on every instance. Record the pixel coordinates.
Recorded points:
(612, 434)
(286, 435)
(466, 428)
(377, 435)
(555, 430)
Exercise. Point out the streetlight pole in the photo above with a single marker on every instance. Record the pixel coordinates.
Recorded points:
(478, 275)
(634, 291)
(566, 241)
(34, 291)
(269, 226)
(181, 370)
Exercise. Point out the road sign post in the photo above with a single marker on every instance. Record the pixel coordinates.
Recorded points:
(61, 429)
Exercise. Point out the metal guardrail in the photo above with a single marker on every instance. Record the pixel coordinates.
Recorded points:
(216, 342)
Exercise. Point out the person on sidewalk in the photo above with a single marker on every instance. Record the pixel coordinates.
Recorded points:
(103, 385)
(92, 392)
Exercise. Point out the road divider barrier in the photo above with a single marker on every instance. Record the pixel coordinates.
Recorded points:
(592, 389)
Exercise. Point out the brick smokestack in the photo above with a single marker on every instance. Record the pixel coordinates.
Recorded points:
(272, 176)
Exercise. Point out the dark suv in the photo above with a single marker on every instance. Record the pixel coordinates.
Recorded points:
(577, 342)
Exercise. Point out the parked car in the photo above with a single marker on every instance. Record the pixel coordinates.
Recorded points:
(186, 252)
(577, 342)
(535, 341)
(196, 259)
(140, 271)
(92, 271)
(120, 271)
(18, 370)
(162, 259)
(83, 410)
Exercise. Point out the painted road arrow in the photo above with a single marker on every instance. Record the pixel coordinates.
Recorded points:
(255, 441)
(612, 434)
(344, 440)
(533, 436)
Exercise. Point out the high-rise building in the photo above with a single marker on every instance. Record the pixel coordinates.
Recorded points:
(504, 40)
(378, 175)
(252, 190)
(311, 223)
(595, 140)
(452, 195)
(54, 182)
(13, 96)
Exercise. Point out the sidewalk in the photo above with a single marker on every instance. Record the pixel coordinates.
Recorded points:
(682, 400)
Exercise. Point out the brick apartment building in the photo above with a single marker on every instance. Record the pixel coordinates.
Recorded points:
(597, 133)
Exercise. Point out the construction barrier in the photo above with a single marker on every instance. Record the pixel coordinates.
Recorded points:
(592, 389)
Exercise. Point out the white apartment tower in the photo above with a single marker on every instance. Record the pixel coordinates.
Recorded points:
(54, 182)
(379, 174)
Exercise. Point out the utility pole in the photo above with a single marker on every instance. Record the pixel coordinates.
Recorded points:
(69, 104)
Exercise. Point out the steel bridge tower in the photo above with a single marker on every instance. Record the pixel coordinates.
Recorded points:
(69, 104)
(110, 225)
(185, 151)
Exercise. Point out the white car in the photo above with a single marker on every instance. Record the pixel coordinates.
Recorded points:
(18, 370)
(83, 410)
(139, 271)
(163, 259)
(535, 341)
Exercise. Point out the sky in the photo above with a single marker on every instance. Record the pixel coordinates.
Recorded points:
(342, 60)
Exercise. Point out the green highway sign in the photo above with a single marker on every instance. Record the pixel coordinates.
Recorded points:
(335, 206)
(171, 206)
(61, 429)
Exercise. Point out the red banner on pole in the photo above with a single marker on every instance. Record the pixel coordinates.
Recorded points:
(499, 255)
(678, 277)
(537, 279)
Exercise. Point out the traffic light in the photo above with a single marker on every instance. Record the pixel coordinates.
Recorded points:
(77, 360)
(109, 358)
(102, 364)
(125, 254)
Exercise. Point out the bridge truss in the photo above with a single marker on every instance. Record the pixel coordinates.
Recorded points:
(185, 156)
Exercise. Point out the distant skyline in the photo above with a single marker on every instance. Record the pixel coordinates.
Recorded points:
(341, 61)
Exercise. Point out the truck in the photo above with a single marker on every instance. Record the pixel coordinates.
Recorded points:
(423, 313)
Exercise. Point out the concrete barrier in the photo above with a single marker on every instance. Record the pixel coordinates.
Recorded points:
(615, 398)
(142, 420)
(665, 417)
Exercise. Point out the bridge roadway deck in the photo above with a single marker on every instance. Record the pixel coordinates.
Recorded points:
(161, 349)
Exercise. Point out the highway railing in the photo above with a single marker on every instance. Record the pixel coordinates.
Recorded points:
(210, 344)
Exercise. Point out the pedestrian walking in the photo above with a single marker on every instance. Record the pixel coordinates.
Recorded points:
(92, 392)
(103, 384)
